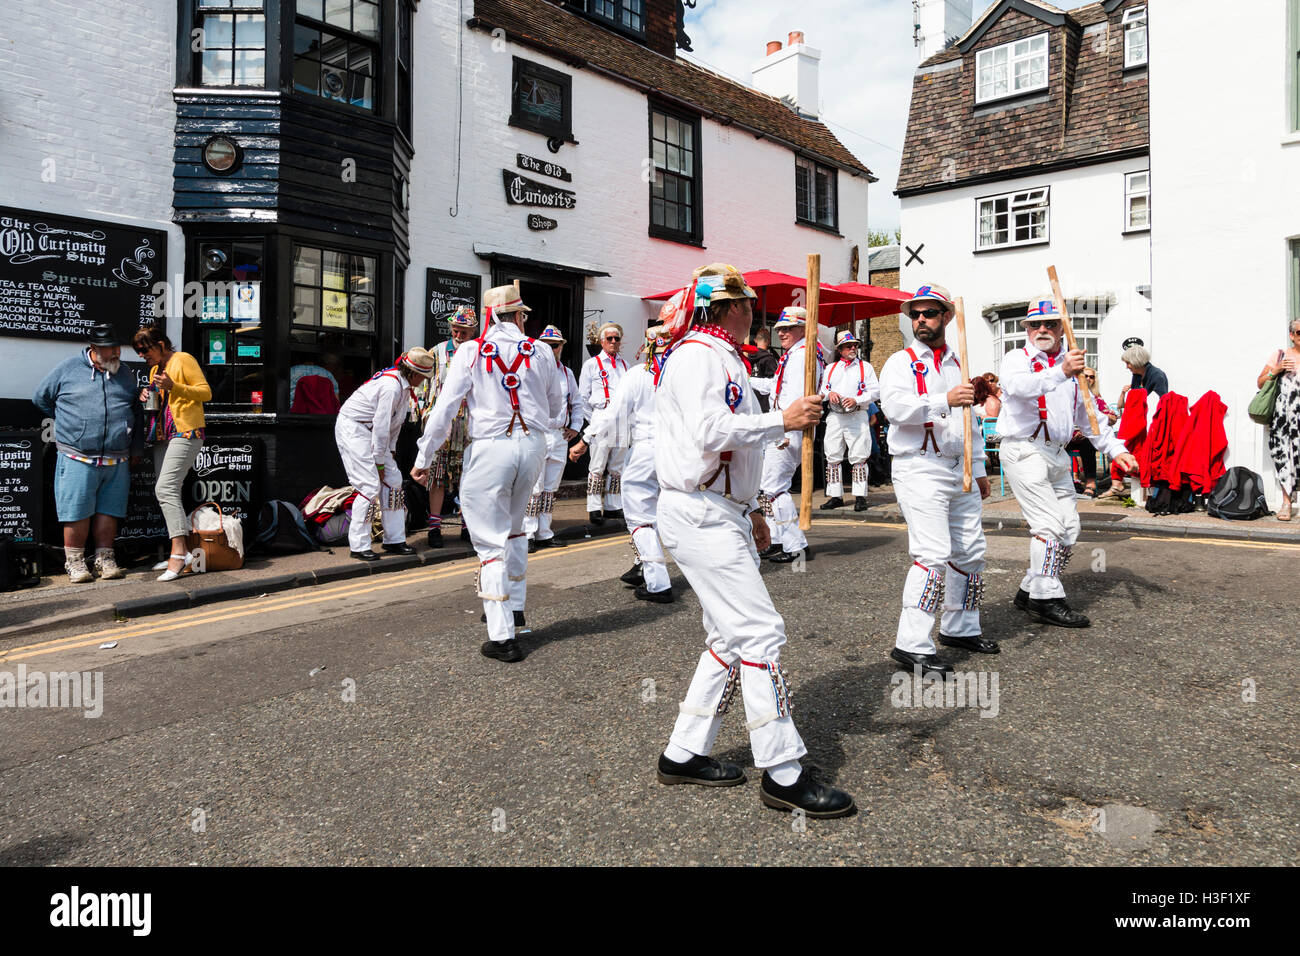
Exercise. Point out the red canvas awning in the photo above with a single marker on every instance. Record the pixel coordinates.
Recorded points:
(839, 304)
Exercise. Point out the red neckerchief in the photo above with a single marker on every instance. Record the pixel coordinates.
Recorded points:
(718, 332)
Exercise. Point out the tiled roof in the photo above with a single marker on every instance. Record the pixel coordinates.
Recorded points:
(882, 257)
(1093, 108)
(561, 33)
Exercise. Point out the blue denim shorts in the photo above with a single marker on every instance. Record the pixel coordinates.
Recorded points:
(82, 490)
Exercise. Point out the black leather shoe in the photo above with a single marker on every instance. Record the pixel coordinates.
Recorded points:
(634, 576)
(784, 557)
(614, 515)
(773, 549)
(508, 651)
(366, 555)
(596, 518)
(1022, 599)
(972, 642)
(832, 503)
(658, 597)
(532, 545)
(859, 504)
(551, 542)
(435, 538)
(1056, 611)
(402, 548)
(929, 663)
(519, 619)
(813, 797)
(704, 771)
(464, 534)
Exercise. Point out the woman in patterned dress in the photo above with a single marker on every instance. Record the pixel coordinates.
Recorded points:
(1284, 433)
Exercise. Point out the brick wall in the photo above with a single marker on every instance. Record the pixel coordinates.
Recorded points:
(661, 26)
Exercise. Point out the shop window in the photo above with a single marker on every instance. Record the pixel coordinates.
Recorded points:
(229, 43)
(815, 196)
(336, 47)
(674, 189)
(541, 99)
(224, 312)
(335, 316)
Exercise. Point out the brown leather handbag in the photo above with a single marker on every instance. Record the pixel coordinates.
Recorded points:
(218, 554)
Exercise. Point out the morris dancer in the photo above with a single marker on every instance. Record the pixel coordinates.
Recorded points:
(513, 389)
(921, 394)
(541, 505)
(782, 457)
(1041, 409)
(450, 458)
(632, 412)
(708, 457)
(366, 431)
(597, 383)
(851, 385)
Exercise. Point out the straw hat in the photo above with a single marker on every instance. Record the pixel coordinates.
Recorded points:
(552, 335)
(718, 281)
(928, 293)
(418, 360)
(845, 338)
(501, 300)
(464, 318)
(791, 316)
(1042, 309)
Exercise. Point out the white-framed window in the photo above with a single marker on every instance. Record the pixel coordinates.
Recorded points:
(1012, 219)
(1137, 201)
(1016, 67)
(1135, 37)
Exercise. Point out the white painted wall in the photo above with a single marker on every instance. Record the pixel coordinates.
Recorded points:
(748, 186)
(939, 21)
(1092, 257)
(90, 99)
(791, 71)
(1226, 200)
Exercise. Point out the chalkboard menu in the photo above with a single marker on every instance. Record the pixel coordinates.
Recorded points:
(144, 519)
(229, 472)
(60, 275)
(21, 488)
(444, 293)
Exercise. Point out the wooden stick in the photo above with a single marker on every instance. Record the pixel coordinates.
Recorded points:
(967, 418)
(810, 384)
(1069, 339)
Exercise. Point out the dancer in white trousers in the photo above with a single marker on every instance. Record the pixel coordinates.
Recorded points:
(513, 388)
(710, 432)
(781, 457)
(922, 395)
(366, 432)
(541, 504)
(597, 383)
(631, 413)
(851, 386)
(1042, 408)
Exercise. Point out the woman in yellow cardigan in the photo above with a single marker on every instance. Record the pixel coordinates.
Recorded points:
(176, 429)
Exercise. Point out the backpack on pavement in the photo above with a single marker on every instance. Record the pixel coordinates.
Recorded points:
(282, 530)
(1239, 496)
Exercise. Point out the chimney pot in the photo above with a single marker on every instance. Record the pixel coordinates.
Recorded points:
(773, 46)
(796, 37)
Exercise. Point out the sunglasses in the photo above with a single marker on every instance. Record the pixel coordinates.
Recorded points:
(925, 313)
(1042, 323)
(613, 338)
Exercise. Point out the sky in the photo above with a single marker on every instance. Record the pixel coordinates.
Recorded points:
(868, 60)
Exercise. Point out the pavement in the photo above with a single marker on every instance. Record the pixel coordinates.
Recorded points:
(55, 605)
(356, 723)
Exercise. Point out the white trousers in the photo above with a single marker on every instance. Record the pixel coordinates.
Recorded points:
(779, 465)
(712, 542)
(946, 541)
(497, 478)
(1040, 478)
(847, 433)
(640, 509)
(604, 476)
(362, 470)
(541, 503)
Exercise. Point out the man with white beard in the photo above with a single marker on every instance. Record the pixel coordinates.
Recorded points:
(1042, 407)
(597, 383)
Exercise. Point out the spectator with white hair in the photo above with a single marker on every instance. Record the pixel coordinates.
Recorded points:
(1137, 358)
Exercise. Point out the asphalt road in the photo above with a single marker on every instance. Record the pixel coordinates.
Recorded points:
(358, 724)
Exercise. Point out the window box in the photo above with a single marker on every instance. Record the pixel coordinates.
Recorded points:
(541, 100)
(675, 186)
(1013, 219)
(816, 195)
(1011, 69)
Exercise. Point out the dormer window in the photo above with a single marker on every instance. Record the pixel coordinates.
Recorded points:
(627, 15)
(1135, 37)
(1011, 69)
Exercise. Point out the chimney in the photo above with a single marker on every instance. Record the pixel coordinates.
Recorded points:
(939, 22)
(790, 73)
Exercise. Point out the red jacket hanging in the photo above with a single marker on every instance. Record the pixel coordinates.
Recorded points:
(1199, 457)
(1132, 430)
(1159, 459)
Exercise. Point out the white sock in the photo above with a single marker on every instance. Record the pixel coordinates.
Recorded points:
(678, 754)
(785, 774)
(74, 555)
(103, 553)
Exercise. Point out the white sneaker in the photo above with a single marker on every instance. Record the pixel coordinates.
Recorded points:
(78, 573)
(106, 566)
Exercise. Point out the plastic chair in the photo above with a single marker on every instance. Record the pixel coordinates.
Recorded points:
(989, 428)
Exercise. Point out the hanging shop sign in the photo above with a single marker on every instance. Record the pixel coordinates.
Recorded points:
(444, 293)
(522, 191)
(540, 223)
(545, 167)
(60, 275)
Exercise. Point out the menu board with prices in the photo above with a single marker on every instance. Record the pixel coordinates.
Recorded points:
(21, 488)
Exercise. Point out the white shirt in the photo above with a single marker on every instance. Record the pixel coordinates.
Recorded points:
(1066, 411)
(856, 379)
(788, 385)
(381, 405)
(695, 426)
(908, 411)
(541, 400)
(572, 413)
(596, 390)
(629, 417)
